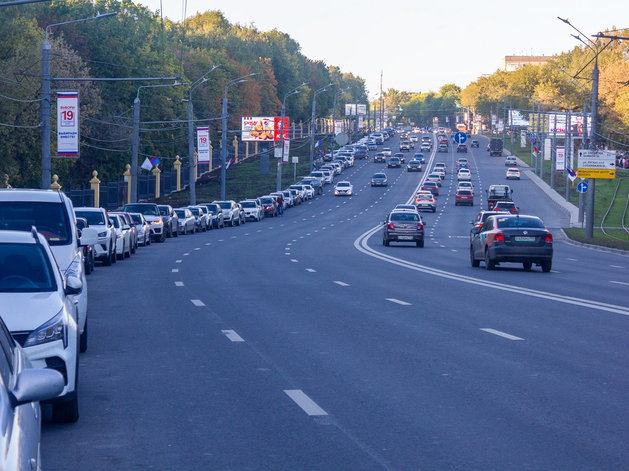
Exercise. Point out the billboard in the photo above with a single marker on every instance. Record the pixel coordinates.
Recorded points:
(263, 128)
(68, 124)
(557, 124)
(350, 109)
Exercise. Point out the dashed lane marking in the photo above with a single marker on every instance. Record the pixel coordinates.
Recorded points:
(502, 334)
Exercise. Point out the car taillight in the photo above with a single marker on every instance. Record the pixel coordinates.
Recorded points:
(391, 226)
(420, 227)
(499, 237)
(549, 238)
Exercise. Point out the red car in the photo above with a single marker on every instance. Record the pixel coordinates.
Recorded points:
(464, 197)
(269, 204)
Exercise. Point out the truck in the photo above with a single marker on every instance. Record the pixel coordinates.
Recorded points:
(497, 193)
(495, 147)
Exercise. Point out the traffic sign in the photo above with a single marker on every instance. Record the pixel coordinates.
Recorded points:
(532, 140)
(582, 187)
(342, 139)
(460, 137)
(596, 173)
(426, 128)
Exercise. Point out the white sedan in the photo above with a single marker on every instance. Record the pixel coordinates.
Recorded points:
(464, 174)
(343, 188)
(513, 173)
(186, 221)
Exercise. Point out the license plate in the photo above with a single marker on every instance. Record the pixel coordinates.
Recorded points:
(405, 237)
(524, 239)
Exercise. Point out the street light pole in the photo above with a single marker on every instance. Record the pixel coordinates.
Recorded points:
(294, 91)
(135, 140)
(191, 158)
(312, 122)
(224, 130)
(340, 92)
(46, 164)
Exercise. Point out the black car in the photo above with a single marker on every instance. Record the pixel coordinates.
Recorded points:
(512, 238)
(414, 166)
(394, 162)
(379, 179)
(461, 148)
(475, 143)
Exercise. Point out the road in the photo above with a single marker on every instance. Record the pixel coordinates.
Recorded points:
(302, 342)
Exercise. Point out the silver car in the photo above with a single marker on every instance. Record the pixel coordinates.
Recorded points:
(187, 222)
(144, 228)
(231, 212)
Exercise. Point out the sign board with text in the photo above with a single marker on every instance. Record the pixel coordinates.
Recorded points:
(203, 144)
(596, 164)
(350, 109)
(68, 137)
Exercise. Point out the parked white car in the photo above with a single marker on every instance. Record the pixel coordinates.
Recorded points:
(97, 218)
(144, 228)
(123, 237)
(187, 223)
(253, 210)
(39, 310)
(53, 215)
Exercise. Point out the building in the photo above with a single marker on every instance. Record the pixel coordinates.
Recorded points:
(511, 63)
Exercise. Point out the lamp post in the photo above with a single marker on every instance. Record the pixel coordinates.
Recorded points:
(294, 91)
(340, 92)
(224, 129)
(135, 140)
(46, 164)
(312, 122)
(191, 159)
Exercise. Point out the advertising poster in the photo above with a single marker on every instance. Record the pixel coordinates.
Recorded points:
(203, 144)
(263, 128)
(561, 159)
(68, 124)
(338, 125)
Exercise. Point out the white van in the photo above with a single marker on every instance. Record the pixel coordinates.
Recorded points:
(52, 214)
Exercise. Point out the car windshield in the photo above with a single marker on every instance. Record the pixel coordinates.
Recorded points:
(465, 192)
(94, 218)
(164, 210)
(115, 221)
(404, 217)
(516, 222)
(266, 200)
(379, 175)
(25, 268)
(137, 218)
(343, 184)
(248, 204)
(146, 209)
(211, 207)
(195, 211)
(225, 205)
(181, 213)
(50, 219)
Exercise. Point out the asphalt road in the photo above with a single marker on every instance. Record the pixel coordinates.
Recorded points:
(302, 343)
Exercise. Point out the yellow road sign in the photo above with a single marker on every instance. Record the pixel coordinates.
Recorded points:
(609, 174)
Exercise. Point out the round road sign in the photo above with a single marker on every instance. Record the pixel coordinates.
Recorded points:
(342, 139)
(582, 187)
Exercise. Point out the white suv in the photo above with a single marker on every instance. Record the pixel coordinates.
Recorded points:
(51, 212)
(38, 308)
(98, 218)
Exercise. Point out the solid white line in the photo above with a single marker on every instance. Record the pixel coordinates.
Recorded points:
(502, 334)
(616, 266)
(397, 301)
(233, 336)
(303, 401)
(311, 270)
(341, 283)
(197, 302)
(620, 283)
(178, 283)
(175, 270)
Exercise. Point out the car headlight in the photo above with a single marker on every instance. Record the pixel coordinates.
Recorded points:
(158, 221)
(102, 234)
(74, 267)
(53, 330)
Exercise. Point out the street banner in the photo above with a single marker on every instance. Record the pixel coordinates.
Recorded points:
(548, 149)
(68, 136)
(203, 144)
(263, 128)
(350, 109)
(286, 151)
(523, 141)
(338, 126)
(561, 159)
(360, 122)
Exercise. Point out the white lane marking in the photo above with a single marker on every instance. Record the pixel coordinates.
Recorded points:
(198, 248)
(303, 401)
(572, 259)
(178, 261)
(620, 283)
(178, 283)
(397, 301)
(287, 253)
(340, 283)
(209, 243)
(311, 270)
(452, 250)
(186, 254)
(502, 334)
(197, 302)
(175, 270)
(616, 266)
(233, 336)
(293, 260)
(361, 244)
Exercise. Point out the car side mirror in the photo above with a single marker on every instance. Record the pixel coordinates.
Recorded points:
(512, 191)
(89, 236)
(475, 230)
(126, 227)
(74, 286)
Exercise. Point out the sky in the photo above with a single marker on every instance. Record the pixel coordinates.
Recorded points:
(418, 46)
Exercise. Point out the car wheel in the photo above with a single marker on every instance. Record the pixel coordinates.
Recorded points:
(176, 233)
(121, 255)
(170, 233)
(320, 191)
(387, 242)
(83, 340)
(475, 263)
(114, 256)
(68, 412)
(127, 254)
(108, 260)
(527, 265)
(420, 243)
(547, 266)
(489, 263)
(133, 247)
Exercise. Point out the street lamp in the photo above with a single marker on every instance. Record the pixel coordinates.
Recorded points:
(312, 121)
(191, 158)
(46, 164)
(294, 91)
(224, 129)
(340, 92)
(135, 140)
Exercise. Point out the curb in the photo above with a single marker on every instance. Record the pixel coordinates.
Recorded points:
(599, 248)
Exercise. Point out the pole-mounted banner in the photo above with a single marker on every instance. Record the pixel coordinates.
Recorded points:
(68, 135)
(203, 144)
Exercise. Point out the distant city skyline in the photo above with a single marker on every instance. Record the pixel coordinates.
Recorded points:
(419, 48)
